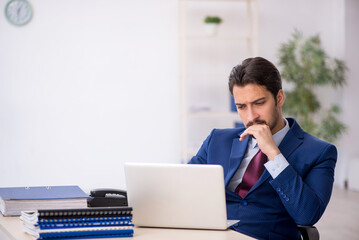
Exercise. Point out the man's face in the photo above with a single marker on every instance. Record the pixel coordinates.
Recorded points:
(256, 105)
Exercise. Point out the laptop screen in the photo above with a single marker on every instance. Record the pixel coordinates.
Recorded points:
(176, 195)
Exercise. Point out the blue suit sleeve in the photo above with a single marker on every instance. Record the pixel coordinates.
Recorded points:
(305, 198)
(201, 156)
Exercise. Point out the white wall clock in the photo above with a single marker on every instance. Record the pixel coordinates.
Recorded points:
(18, 12)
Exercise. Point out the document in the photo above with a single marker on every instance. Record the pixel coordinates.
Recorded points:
(13, 200)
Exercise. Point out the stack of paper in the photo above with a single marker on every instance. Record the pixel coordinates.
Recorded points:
(13, 200)
(79, 223)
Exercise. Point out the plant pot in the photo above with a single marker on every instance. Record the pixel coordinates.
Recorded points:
(211, 29)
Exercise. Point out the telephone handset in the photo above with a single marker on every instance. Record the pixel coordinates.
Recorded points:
(107, 197)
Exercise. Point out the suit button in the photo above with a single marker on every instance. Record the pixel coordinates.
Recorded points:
(284, 196)
(244, 203)
(278, 189)
(287, 199)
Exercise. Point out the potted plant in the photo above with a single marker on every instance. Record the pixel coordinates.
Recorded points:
(306, 66)
(211, 24)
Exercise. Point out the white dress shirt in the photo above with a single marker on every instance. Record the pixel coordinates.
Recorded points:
(274, 167)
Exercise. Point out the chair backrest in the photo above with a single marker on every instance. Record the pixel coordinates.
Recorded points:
(309, 232)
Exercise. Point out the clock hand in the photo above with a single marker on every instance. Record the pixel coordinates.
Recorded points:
(18, 11)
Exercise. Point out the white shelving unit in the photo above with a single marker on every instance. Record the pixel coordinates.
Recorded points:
(205, 63)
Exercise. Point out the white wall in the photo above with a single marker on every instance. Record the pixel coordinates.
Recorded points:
(90, 84)
(86, 86)
(336, 23)
(278, 19)
(350, 96)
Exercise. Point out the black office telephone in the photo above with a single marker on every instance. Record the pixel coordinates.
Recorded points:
(106, 197)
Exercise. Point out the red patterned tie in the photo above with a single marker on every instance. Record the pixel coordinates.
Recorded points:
(252, 174)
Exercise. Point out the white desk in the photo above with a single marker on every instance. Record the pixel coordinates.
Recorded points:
(11, 229)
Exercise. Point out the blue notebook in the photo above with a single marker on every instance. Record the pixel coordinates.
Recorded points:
(49, 192)
(13, 200)
(100, 233)
(97, 222)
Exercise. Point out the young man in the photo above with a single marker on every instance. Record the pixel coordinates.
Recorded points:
(277, 176)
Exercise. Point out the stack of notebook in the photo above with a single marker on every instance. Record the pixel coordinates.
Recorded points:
(13, 200)
(103, 222)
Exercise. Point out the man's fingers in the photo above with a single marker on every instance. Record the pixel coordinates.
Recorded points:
(253, 130)
(245, 134)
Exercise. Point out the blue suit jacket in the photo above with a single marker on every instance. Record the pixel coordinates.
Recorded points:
(273, 208)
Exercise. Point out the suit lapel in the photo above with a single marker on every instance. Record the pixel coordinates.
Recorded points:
(291, 141)
(237, 153)
(289, 144)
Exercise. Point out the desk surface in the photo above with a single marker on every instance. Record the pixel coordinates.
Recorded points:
(11, 229)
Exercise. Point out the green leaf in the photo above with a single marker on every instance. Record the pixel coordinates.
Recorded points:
(305, 64)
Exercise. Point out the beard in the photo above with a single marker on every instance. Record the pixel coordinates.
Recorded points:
(257, 121)
(273, 122)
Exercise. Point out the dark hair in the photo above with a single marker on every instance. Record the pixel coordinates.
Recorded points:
(257, 71)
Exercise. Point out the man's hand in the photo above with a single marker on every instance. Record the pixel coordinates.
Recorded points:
(263, 135)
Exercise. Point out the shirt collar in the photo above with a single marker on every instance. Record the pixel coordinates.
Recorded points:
(277, 137)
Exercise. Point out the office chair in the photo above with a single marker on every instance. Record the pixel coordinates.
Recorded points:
(309, 232)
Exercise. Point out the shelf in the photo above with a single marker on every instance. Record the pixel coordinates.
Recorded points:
(213, 114)
(217, 37)
(215, 0)
(199, 75)
(205, 62)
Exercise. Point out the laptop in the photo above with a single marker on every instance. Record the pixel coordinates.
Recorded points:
(177, 195)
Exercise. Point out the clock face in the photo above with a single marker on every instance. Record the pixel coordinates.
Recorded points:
(18, 12)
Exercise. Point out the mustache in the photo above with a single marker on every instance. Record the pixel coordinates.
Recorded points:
(257, 121)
